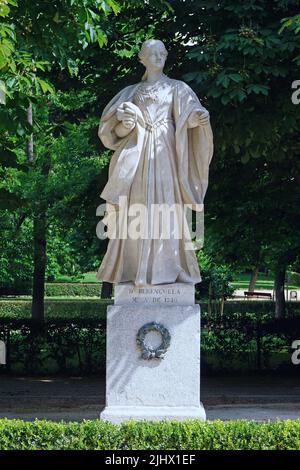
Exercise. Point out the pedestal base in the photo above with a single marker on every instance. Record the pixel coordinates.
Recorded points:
(117, 414)
(153, 363)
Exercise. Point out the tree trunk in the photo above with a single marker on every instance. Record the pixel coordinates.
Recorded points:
(279, 293)
(29, 144)
(253, 279)
(39, 232)
(222, 305)
(40, 245)
(19, 222)
(209, 299)
(39, 237)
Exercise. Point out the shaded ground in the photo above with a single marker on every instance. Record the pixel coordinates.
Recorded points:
(76, 398)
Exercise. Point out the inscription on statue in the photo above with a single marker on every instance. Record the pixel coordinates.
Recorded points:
(154, 295)
(168, 294)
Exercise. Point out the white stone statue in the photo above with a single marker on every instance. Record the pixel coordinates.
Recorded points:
(163, 146)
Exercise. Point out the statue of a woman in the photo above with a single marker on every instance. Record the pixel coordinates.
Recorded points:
(163, 145)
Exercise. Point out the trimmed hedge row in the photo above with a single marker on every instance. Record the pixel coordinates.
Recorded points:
(56, 289)
(56, 309)
(72, 290)
(186, 435)
(96, 308)
(77, 346)
(72, 338)
(57, 346)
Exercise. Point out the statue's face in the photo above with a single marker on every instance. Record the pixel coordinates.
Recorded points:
(155, 57)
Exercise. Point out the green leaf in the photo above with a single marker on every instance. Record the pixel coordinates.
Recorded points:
(189, 77)
(223, 80)
(101, 37)
(46, 87)
(3, 92)
(241, 95)
(114, 6)
(5, 50)
(235, 77)
(297, 60)
(258, 89)
(4, 10)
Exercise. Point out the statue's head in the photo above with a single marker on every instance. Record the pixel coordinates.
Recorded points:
(153, 54)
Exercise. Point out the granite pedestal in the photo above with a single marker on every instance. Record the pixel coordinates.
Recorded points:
(155, 388)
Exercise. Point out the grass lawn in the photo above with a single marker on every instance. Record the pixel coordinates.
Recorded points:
(241, 281)
(263, 282)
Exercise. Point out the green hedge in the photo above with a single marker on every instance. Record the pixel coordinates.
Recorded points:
(72, 339)
(56, 309)
(96, 308)
(187, 435)
(72, 290)
(56, 289)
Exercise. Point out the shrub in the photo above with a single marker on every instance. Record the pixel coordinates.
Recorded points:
(93, 308)
(186, 435)
(216, 279)
(72, 339)
(54, 289)
(72, 290)
(56, 309)
(57, 346)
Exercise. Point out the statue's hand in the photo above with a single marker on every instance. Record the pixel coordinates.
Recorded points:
(198, 118)
(127, 116)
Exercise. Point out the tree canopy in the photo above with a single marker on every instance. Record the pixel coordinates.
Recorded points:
(61, 61)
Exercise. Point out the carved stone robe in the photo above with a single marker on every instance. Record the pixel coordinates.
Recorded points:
(162, 161)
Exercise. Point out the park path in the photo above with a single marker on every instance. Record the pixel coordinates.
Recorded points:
(71, 398)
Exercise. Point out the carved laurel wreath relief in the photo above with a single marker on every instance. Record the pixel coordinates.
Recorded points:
(147, 351)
